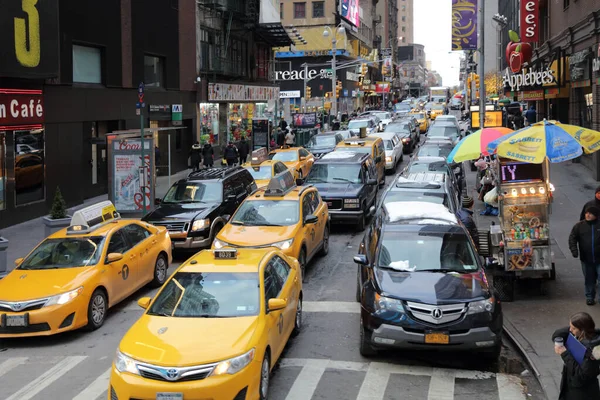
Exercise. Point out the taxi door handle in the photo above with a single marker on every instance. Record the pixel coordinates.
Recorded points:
(131, 257)
(154, 241)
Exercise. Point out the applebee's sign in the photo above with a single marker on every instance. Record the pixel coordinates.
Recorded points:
(529, 78)
(530, 20)
(301, 75)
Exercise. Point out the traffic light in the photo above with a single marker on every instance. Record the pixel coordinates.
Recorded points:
(469, 80)
(477, 81)
(308, 93)
(364, 69)
(384, 69)
(338, 88)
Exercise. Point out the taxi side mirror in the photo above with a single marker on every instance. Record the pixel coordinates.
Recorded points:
(144, 302)
(113, 257)
(311, 219)
(276, 304)
(18, 261)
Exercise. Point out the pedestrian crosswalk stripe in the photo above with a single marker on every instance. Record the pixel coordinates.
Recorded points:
(441, 386)
(509, 387)
(375, 383)
(306, 383)
(36, 386)
(96, 388)
(11, 363)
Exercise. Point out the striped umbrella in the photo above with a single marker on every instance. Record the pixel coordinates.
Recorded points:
(471, 147)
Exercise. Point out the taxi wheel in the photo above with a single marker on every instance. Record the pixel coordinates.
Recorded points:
(265, 372)
(302, 262)
(160, 271)
(96, 310)
(298, 320)
(325, 248)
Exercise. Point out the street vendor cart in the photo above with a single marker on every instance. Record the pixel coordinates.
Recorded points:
(520, 246)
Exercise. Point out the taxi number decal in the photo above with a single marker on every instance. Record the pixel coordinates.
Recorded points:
(125, 272)
(280, 323)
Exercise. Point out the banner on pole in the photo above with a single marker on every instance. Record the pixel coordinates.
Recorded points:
(464, 25)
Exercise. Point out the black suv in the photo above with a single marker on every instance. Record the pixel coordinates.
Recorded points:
(422, 285)
(347, 182)
(195, 209)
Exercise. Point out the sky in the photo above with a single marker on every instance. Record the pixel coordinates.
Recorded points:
(432, 19)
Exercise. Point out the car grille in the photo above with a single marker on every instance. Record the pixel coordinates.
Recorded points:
(19, 306)
(167, 374)
(334, 204)
(25, 329)
(437, 314)
(173, 226)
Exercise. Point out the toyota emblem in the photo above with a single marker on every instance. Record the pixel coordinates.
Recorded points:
(436, 313)
(17, 306)
(172, 373)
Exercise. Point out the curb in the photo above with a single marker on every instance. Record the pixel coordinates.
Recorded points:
(526, 351)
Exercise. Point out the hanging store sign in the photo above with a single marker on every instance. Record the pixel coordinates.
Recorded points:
(530, 21)
(20, 107)
(300, 75)
(529, 79)
(464, 25)
(234, 92)
(579, 66)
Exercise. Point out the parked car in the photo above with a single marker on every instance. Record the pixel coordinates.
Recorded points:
(455, 103)
(422, 286)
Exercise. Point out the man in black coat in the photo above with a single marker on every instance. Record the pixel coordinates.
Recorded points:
(584, 242)
(230, 154)
(243, 150)
(465, 214)
(595, 202)
(196, 156)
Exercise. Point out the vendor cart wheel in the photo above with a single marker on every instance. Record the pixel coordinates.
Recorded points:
(553, 273)
(504, 288)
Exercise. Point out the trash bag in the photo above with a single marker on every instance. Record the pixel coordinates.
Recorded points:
(491, 197)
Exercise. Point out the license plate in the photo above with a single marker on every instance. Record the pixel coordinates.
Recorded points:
(169, 396)
(16, 320)
(437, 338)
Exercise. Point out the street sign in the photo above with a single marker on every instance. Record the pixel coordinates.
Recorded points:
(140, 104)
(387, 52)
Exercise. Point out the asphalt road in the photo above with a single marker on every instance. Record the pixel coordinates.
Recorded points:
(323, 362)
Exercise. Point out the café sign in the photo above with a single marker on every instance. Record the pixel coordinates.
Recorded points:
(20, 107)
(302, 75)
(529, 78)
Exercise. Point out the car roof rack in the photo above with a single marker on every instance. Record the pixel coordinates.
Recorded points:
(214, 173)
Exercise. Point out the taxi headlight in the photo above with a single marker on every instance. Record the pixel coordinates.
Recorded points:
(233, 365)
(481, 306)
(284, 244)
(124, 363)
(64, 298)
(200, 224)
(219, 244)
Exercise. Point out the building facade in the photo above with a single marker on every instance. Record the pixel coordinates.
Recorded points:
(80, 80)
(406, 22)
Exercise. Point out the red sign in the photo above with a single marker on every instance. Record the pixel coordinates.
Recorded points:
(382, 87)
(530, 21)
(20, 107)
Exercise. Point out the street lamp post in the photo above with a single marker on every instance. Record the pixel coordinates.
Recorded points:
(328, 31)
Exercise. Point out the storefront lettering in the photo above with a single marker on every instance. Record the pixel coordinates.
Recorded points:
(529, 20)
(27, 35)
(512, 170)
(16, 109)
(129, 146)
(301, 75)
(530, 78)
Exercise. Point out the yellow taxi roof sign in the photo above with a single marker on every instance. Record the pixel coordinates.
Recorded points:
(281, 184)
(259, 156)
(92, 216)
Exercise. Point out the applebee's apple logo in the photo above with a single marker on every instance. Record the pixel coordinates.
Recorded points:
(517, 52)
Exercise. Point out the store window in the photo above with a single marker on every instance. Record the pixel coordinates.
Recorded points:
(300, 10)
(29, 166)
(2, 172)
(209, 122)
(87, 64)
(154, 70)
(240, 117)
(318, 9)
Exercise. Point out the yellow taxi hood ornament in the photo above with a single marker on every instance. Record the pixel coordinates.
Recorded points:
(93, 215)
(259, 156)
(281, 184)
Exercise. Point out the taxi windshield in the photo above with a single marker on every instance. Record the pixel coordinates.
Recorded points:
(426, 251)
(208, 295)
(65, 253)
(335, 173)
(193, 192)
(419, 116)
(267, 213)
(357, 124)
(261, 172)
(284, 156)
(321, 141)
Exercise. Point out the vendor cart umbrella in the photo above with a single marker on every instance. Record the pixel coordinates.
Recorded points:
(471, 147)
(547, 139)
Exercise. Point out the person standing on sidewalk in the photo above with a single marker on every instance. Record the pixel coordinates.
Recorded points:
(465, 214)
(196, 156)
(579, 380)
(595, 202)
(584, 242)
(290, 138)
(230, 154)
(208, 154)
(531, 116)
(243, 149)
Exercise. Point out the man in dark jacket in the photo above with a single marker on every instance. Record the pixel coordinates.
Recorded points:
(531, 115)
(465, 214)
(230, 154)
(243, 149)
(584, 242)
(595, 202)
(208, 155)
(283, 124)
(196, 156)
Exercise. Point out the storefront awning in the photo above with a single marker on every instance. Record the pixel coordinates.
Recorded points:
(274, 34)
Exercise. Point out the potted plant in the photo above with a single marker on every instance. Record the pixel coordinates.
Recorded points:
(58, 217)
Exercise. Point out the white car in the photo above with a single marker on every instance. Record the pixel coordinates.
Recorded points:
(394, 149)
(384, 118)
(369, 122)
(447, 118)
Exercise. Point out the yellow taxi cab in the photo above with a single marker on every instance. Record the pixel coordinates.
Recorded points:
(422, 119)
(291, 218)
(244, 303)
(262, 169)
(368, 144)
(75, 275)
(436, 109)
(297, 159)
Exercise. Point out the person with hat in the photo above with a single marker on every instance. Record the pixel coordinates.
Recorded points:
(595, 202)
(584, 242)
(465, 214)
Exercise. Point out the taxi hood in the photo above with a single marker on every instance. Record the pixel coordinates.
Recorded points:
(247, 236)
(171, 341)
(28, 284)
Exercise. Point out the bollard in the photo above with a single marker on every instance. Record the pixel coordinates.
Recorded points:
(3, 257)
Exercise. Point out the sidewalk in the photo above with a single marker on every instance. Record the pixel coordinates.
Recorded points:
(22, 238)
(532, 318)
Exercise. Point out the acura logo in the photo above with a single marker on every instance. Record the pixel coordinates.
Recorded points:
(162, 330)
(171, 373)
(436, 313)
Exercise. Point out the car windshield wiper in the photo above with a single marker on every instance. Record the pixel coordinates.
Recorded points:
(269, 224)
(238, 223)
(210, 316)
(343, 180)
(160, 314)
(190, 201)
(442, 270)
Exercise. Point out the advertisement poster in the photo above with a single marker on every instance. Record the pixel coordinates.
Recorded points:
(305, 120)
(131, 183)
(536, 258)
(382, 87)
(464, 25)
(349, 11)
(260, 133)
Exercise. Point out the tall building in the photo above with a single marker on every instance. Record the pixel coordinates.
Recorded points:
(406, 22)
